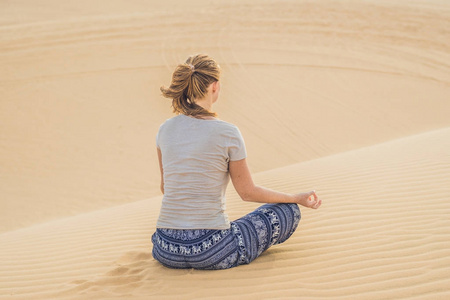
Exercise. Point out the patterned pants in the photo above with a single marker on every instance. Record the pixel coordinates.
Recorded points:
(213, 249)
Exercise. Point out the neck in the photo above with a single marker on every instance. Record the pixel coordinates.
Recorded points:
(206, 103)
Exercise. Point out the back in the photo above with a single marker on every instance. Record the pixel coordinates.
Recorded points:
(195, 156)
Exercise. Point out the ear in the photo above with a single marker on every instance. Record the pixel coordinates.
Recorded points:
(215, 86)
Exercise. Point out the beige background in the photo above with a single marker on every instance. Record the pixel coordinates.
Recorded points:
(349, 98)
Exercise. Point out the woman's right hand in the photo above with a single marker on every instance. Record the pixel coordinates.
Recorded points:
(309, 199)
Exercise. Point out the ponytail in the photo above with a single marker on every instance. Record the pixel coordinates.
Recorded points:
(190, 81)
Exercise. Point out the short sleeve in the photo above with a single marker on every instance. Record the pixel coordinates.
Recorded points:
(236, 146)
(157, 137)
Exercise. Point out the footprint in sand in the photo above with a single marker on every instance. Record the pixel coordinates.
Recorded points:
(128, 274)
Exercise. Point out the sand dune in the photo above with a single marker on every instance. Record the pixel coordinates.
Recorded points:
(81, 103)
(349, 98)
(383, 233)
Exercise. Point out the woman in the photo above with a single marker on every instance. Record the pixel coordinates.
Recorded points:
(198, 153)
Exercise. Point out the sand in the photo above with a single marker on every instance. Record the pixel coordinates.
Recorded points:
(349, 98)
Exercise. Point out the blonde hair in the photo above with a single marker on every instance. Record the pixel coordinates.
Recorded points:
(190, 81)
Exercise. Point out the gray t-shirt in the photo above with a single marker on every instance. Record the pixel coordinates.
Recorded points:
(195, 156)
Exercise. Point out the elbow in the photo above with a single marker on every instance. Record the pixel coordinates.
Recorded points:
(248, 195)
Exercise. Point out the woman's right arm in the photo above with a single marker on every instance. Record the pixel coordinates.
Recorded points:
(248, 191)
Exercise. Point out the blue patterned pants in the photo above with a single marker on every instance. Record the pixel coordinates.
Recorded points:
(214, 249)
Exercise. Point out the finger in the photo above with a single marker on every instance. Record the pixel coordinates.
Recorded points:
(318, 204)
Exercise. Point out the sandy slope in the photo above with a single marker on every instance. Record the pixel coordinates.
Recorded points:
(383, 233)
(307, 82)
(80, 101)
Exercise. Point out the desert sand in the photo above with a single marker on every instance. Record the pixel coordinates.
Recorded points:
(350, 98)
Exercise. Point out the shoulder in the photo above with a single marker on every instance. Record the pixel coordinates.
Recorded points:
(169, 122)
(230, 133)
(228, 127)
(218, 125)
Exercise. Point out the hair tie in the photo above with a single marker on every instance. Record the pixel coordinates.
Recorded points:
(192, 68)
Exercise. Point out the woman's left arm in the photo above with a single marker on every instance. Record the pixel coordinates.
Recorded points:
(161, 169)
